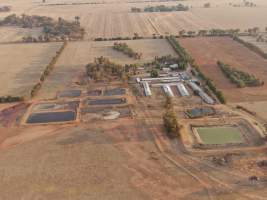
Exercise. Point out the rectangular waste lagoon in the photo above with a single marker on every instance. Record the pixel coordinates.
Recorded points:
(50, 117)
(69, 93)
(219, 135)
(107, 101)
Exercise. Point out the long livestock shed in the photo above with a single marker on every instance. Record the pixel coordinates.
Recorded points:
(167, 90)
(182, 90)
(147, 89)
(201, 93)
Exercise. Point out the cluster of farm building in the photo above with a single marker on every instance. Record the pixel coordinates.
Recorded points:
(182, 82)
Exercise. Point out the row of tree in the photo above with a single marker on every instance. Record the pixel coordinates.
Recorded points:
(161, 8)
(47, 70)
(51, 28)
(170, 121)
(10, 99)
(184, 57)
(211, 32)
(239, 78)
(123, 47)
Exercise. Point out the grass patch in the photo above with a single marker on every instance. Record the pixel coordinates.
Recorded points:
(219, 135)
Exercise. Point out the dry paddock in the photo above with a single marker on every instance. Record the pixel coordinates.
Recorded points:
(21, 66)
(208, 50)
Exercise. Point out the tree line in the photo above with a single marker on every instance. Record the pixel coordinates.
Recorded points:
(124, 48)
(170, 121)
(61, 29)
(239, 78)
(47, 70)
(161, 8)
(184, 57)
(10, 99)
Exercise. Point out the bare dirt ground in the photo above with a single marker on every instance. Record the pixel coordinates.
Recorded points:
(71, 64)
(21, 66)
(210, 50)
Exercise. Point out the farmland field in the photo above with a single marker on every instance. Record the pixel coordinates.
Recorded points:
(71, 65)
(110, 20)
(219, 135)
(21, 66)
(101, 24)
(212, 49)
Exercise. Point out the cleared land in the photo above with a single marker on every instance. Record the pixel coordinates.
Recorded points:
(99, 23)
(21, 66)
(210, 50)
(219, 135)
(110, 20)
(71, 64)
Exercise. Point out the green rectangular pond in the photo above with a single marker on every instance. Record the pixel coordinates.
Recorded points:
(219, 135)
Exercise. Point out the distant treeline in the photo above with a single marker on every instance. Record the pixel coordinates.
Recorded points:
(51, 28)
(161, 8)
(10, 99)
(109, 2)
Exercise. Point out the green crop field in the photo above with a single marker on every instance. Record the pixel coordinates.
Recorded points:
(219, 135)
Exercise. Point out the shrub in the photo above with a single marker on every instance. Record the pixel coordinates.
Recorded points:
(170, 123)
(154, 73)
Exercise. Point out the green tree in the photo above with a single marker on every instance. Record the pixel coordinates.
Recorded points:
(154, 73)
(170, 123)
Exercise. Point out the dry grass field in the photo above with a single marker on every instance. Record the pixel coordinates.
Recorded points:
(21, 66)
(210, 50)
(71, 64)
